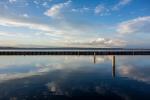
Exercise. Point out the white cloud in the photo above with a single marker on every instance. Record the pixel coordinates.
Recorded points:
(105, 10)
(35, 2)
(25, 15)
(120, 4)
(14, 34)
(12, 1)
(55, 10)
(45, 4)
(124, 2)
(99, 42)
(62, 32)
(19, 3)
(138, 25)
(100, 9)
(36, 26)
(84, 9)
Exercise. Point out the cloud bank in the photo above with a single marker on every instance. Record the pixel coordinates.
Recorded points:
(100, 42)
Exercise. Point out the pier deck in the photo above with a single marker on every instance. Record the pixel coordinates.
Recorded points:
(75, 51)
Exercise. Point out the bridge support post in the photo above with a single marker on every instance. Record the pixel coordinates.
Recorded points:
(78, 53)
(94, 58)
(113, 66)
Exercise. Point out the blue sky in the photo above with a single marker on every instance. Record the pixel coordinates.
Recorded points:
(75, 23)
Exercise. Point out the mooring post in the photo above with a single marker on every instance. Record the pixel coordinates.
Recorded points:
(94, 58)
(113, 66)
(78, 53)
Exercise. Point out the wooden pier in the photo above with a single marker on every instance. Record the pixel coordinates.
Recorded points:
(75, 52)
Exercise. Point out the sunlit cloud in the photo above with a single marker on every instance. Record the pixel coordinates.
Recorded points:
(35, 26)
(100, 42)
(137, 25)
(13, 34)
(8, 42)
(55, 10)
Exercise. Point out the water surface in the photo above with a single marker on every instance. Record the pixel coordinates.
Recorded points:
(74, 77)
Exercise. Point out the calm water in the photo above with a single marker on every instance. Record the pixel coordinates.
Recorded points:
(74, 77)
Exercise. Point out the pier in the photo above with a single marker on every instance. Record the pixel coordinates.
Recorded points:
(75, 51)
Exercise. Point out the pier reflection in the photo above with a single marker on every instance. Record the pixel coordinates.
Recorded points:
(113, 66)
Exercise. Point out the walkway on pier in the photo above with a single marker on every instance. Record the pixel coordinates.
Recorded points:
(75, 51)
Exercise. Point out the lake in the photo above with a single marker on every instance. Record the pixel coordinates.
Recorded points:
(74, 77)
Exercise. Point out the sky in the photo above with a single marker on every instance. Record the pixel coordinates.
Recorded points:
(75, 23)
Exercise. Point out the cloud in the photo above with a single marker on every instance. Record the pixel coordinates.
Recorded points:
(103, 10)
(83, 9)
(36, 26)
(99, 42)
(55, 10)
(64, 34)
(100, 9)
(60, 31)
(35, 2)
(137, 25)
(18, 3)
(45, 4)
(25, 15)
(14, 34)
(12, 1)
(121, 4)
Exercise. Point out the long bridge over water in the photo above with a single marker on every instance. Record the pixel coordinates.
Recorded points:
(74, 51)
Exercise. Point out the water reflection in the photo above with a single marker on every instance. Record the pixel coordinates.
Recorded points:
(135, 69)
(113, 64)
(74, 77)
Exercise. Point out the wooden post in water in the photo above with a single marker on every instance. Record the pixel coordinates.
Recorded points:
(113, 66)
(94, 58)
(78, 53)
